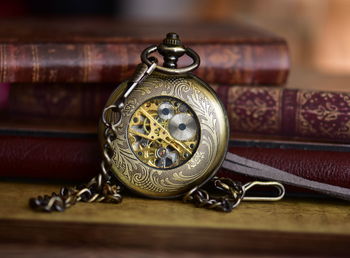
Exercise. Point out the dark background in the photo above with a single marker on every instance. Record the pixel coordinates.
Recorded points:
(317, 31)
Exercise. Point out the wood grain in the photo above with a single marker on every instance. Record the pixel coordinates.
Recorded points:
(287, 227)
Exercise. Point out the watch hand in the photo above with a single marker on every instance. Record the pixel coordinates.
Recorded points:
(141, 134)
(155, 137)
(145, 136)
(152, 139)
(167, 134)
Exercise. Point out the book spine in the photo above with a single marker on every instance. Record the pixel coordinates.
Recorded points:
(240, 63)
(79, 159)
(80, 102)
(291, 113)
(257, 111)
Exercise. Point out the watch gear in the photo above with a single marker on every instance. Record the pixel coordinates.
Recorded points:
(166, 111)
(163, 132)
(183, 127)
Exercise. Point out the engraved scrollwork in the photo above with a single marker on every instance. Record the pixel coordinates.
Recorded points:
(172, 180)
(129, 107)
(208, 121)
(197, 157)
(123, 158)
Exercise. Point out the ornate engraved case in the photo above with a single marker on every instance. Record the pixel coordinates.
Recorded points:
(172, 135)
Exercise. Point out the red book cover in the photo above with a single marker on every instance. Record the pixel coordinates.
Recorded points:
(292, 113)
(97, 50)
(76, 156)
(283, 113)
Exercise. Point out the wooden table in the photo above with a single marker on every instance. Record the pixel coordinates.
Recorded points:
(158, 228)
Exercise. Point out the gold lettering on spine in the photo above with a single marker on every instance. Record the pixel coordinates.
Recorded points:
(87, 62)
(36, 65)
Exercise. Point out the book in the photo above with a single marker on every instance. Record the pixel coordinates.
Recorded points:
(100, 50)
(76, 156)
(291, 113)
(282, 113)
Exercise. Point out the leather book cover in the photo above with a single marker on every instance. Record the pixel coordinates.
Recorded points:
(76, 156)
(291, 113)
(283, 113)
(97, 50)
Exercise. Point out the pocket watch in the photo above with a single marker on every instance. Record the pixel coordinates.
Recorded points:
(167, 128)
(164, 134)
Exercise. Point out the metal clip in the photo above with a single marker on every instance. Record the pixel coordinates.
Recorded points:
(278, 186)
(141, 73)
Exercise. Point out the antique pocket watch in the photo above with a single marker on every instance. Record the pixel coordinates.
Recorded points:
(164, 134)
(170, 132)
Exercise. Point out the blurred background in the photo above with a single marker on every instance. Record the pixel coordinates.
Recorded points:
(317, 30)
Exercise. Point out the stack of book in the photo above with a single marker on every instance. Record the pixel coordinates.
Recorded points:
(56, 76)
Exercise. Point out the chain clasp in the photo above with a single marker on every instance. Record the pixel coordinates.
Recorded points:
(276, 185)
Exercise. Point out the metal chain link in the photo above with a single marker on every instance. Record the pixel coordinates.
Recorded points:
(97, 190)
(226, 195)
(103, 187)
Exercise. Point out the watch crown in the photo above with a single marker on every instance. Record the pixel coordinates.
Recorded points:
(171, 49)
(172, 39)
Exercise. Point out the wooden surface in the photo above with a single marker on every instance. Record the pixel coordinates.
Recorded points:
(142, 227)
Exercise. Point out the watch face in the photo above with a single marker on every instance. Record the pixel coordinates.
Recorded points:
(164, 132)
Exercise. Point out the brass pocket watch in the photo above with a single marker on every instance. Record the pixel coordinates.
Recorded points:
(167, 128)
(164, 134)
